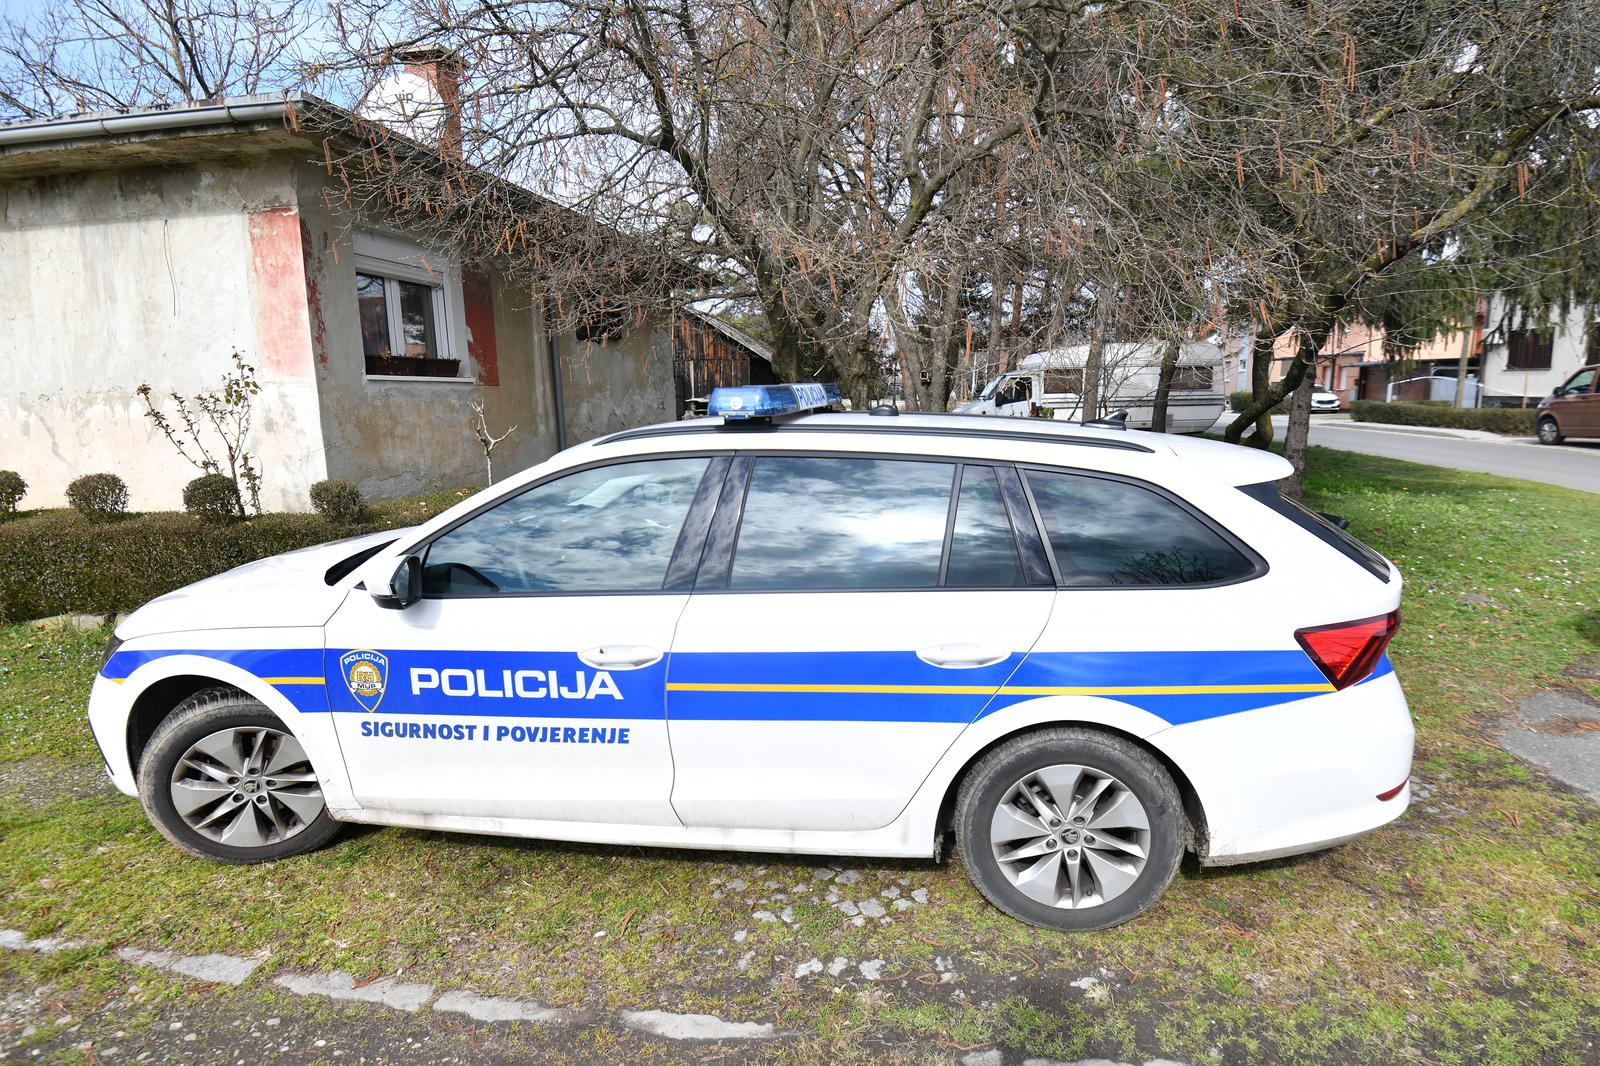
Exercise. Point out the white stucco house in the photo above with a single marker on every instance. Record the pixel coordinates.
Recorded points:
(1525, 364)
(148, 246)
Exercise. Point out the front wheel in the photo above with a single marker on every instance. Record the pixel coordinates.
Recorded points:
(223, 779)
(1549, 431)
(1070, 828)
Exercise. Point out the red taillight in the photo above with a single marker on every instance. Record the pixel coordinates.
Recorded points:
(1393, 792)
(1346, 652)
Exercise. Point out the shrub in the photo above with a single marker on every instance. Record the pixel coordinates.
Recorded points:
(99, 497)
(338, 501)
(1511, 421)
(12, 490)
(55, 562)
(1238, 401)
(214, 498)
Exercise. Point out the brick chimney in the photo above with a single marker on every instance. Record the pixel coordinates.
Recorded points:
(441, 68)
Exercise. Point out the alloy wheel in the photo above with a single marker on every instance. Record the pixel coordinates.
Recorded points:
(1070, 836)
(246, 787)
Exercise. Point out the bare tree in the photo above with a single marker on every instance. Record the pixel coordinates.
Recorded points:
(90, 55)
(815, 158)
(486, 439)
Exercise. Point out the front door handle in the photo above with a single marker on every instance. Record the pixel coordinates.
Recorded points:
(620, 656)
(963, 656)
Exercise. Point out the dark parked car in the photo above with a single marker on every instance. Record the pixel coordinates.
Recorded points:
(1573, 409)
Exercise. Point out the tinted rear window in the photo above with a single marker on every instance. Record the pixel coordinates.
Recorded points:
(1106, 532)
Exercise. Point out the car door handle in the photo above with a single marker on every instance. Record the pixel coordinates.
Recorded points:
(963, 656)
(620, 656)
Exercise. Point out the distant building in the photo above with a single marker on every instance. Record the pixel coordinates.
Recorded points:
(1511, 367)
(1524, 365)
(1353, 366)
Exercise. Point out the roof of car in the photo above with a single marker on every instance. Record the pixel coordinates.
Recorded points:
(1238, 465)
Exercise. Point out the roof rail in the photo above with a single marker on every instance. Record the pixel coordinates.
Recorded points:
(982, 427)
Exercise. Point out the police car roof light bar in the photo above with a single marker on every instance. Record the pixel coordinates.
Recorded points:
(744, 403)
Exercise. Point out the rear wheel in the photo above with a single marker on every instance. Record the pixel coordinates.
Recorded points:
(223, 779)
(1549, 431)
(1070, 828)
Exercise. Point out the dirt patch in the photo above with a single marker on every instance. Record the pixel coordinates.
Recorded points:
(41, 781)
(1584, 668)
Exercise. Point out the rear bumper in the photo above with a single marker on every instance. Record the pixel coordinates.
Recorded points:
(1298, 776)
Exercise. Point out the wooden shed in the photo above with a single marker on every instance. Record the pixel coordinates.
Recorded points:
(708, 353)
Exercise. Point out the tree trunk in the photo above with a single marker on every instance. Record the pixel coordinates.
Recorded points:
(1294, 441)
(1169, 364)
(1261, 350)
(1089, 400)
(992, 345)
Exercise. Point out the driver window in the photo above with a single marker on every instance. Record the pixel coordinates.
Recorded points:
(1014, 391)
(1582, 381)
(606, 529)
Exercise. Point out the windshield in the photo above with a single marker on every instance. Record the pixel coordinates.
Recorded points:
(988, 390)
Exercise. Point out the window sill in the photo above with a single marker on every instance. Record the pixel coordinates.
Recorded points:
(421, 379)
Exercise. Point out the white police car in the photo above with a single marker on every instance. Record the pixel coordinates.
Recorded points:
(1081, 651)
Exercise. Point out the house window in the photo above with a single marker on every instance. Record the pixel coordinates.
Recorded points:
(1528, 349)
(403, 300)
(602, 327)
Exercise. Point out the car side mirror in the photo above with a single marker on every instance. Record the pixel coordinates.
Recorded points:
(403, 589)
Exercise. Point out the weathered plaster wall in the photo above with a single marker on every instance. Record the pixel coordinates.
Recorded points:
(609, 387)
(398, 437)
(156, 275)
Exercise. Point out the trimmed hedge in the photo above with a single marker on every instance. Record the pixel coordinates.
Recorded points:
(99, 497)
(59, 562)
(338, 501)
(12, 490)
(214, 498)
(1511, 421)
(1238, 401)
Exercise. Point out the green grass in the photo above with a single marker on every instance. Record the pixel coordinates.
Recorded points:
(1468, 931)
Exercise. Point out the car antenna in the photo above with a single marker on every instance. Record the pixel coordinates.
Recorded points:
(1115, 420)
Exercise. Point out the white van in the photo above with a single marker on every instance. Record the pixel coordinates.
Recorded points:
(1053, 381)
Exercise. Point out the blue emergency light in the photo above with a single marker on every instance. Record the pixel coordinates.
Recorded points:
(738, 403)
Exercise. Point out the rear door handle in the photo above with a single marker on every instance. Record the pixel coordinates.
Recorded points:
(963, 656)
(620, 656)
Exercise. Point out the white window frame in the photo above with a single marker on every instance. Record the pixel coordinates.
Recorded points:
(396, 260)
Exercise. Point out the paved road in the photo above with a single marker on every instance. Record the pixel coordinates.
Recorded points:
(1575, 464)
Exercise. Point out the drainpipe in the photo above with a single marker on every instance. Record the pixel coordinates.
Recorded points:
(552, 346)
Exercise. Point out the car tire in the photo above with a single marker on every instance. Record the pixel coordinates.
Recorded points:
(224, 779)
(1119, 782)
(1549, 431)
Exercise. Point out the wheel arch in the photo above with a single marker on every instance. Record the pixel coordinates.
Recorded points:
(156, 703)
(1193, 809)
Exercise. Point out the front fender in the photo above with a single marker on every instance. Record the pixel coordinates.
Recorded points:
(300, 702)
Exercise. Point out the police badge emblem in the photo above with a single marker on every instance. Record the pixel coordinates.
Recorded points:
(366, 673)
